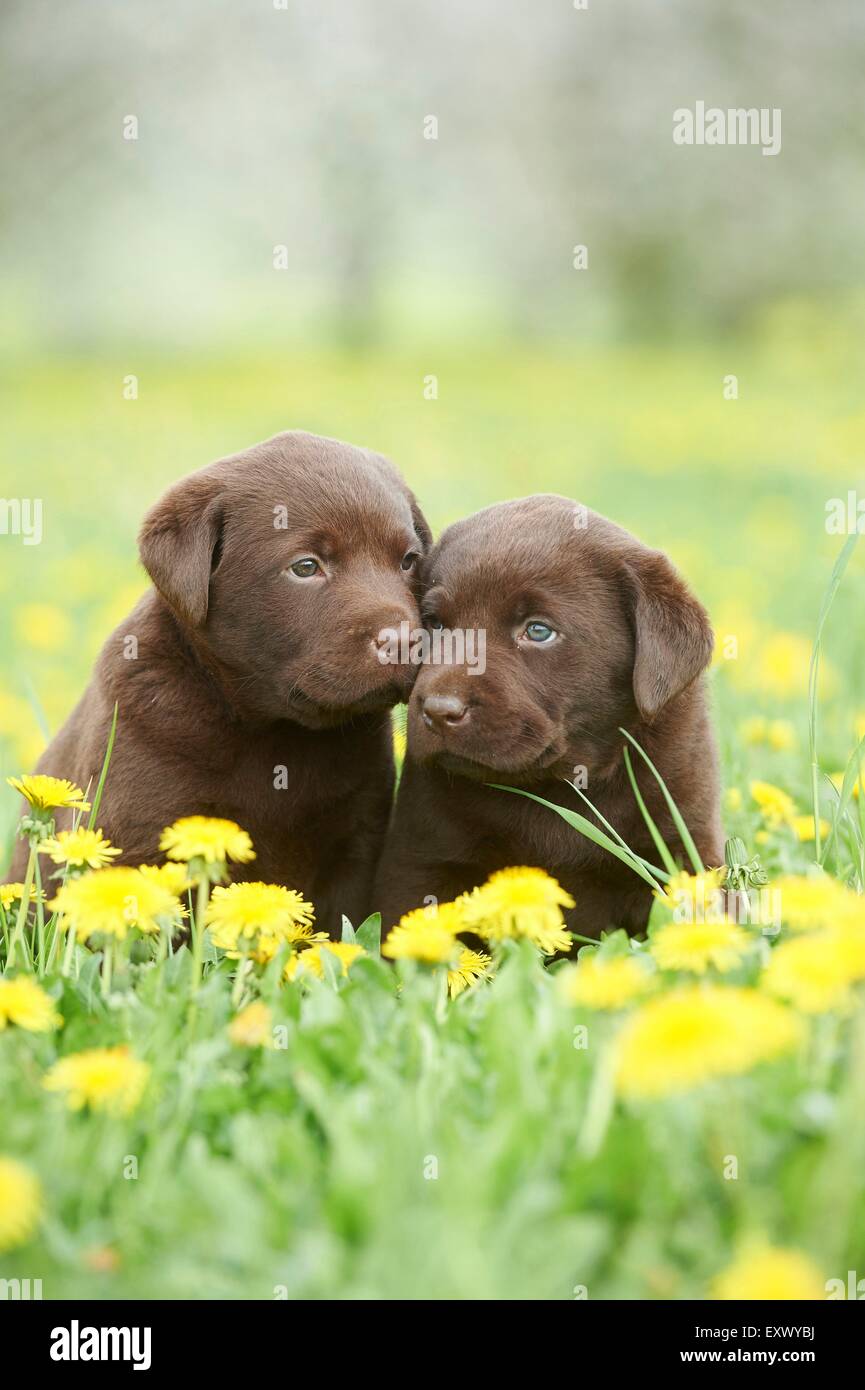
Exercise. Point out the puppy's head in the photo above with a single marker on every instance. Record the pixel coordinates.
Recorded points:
(581, 627)
(284, 564)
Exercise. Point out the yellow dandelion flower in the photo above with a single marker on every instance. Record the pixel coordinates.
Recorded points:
(817, 972)
(605, 982)
(817, 901)
(241, 912)
(781, 735)
(311, 960)
(427, 934)
(174, 877)
(42, 625)
(753, 729)
(778, 734)
(80, 849)
(803, 828)
(782, 665)
(12, 893)
(298, 935)
(15, 714)
(253, 1026)
(695, 946)
(694, 897)
(470, 967)
(104, 1078)
(20, 1203)
(520, 902)
(776, 807)
(732, 800)
(208, 838)
(24, 1003)
(682, 1039)
(114, 900)
(29, 747)
(116, 606)
(49, 793)
(763, 1271)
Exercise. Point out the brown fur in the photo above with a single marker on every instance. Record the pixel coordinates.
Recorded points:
(242, 668)
(632, 644)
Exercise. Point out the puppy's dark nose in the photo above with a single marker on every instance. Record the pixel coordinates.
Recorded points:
(443, 711)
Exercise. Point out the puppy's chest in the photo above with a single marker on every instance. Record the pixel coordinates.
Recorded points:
(284, 779)
(540, 837)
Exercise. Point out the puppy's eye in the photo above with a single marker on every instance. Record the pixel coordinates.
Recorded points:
(409, 560)
(434, 624)
(306, 568)
(540, 633)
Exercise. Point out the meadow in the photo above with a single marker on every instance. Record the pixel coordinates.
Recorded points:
(365, 1131)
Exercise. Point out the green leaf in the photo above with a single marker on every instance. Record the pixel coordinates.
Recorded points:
(368, 935)
(272, 978)
(375, 972)
(331, 964)
(614, 943)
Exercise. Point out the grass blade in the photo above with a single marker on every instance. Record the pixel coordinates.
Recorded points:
(678, 819)
(666, 857)
(851, 778)
(591, 832)
(653, 868)
(36, 707)
(94, 810)
(828, 598)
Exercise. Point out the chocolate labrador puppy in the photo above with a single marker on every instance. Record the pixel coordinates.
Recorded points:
(248, 680)
(586, 631)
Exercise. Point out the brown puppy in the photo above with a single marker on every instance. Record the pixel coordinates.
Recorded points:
(586, 630)
(248, 680)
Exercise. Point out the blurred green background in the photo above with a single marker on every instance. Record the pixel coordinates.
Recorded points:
(408, 258)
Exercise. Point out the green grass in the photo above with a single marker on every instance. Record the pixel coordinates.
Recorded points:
(392, 1149)
(308, 1167)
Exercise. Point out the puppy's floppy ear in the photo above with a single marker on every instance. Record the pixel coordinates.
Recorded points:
(180, 543)
(673, 639)
(424, 534)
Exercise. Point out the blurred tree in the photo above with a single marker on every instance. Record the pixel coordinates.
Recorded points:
(303, 126)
